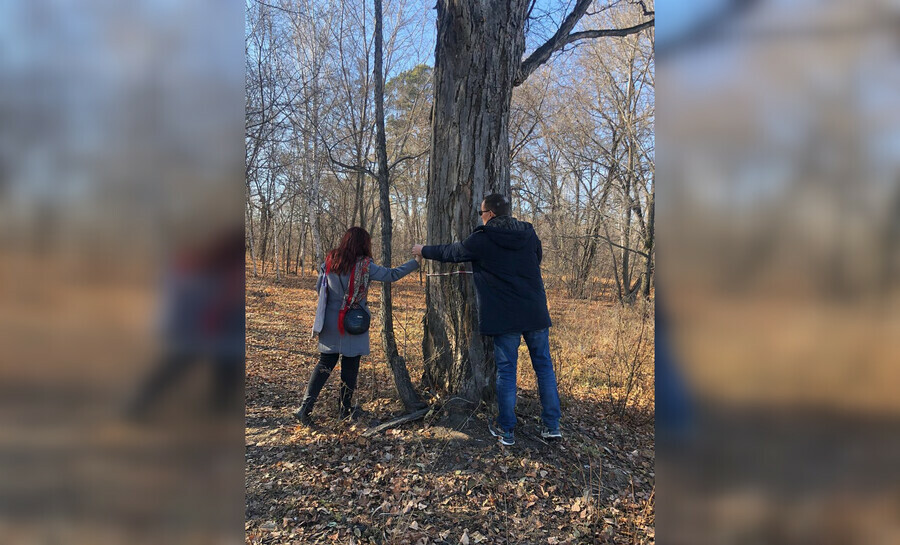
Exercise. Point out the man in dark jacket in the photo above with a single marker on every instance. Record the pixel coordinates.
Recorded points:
(512, 304)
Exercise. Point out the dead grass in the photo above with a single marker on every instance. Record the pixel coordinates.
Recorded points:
(600, 349)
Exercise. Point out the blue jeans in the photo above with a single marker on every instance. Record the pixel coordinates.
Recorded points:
(506, 354)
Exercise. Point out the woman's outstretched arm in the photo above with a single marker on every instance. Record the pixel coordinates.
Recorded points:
(383, 274)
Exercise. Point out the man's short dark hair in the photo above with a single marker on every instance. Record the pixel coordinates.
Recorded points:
(497, 204)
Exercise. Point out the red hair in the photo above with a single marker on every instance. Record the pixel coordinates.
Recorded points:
(355, 243)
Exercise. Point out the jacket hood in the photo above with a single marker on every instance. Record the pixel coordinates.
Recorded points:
(508, 232)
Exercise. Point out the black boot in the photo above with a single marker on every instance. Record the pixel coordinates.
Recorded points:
(314, 387)
(304, 413)
(348, 411)
(352, 413)
(349, 374)
(345, 402)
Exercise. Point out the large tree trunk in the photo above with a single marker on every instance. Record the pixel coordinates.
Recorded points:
(479, 48)
(398, 365)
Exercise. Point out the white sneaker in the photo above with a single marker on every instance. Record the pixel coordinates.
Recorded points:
(547, 433)
(506, 437)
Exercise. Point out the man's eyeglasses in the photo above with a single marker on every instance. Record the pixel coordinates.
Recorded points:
(483, 212)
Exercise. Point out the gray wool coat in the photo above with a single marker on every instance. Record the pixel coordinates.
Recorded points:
(335, 286)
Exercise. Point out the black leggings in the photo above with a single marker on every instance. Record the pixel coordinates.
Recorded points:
(321, 372)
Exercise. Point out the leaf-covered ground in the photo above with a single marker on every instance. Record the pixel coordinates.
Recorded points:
(443, 479)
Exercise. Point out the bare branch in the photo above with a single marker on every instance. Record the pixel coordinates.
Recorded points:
(647, 12)
(351, 168)
(557, 41)
(279, 8)
(345, 166)
(408, 158)
(530, 9)
(575, 36)
(607, 239)
(565, 36)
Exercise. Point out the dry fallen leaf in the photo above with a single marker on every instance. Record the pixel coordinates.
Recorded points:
(317, 484)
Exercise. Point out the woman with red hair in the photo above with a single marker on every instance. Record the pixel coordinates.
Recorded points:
(342, 285)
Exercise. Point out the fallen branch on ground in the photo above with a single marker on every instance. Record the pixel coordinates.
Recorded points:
(397, 421)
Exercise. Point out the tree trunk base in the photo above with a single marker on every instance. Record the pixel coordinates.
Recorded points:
(405, 390)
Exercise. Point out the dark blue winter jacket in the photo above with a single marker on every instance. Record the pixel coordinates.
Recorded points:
(506, 262)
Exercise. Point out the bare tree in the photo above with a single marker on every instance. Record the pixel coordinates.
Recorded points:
(397, 364)
(574, 144)
(478, 62)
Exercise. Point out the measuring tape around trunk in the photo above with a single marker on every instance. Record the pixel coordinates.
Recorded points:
(448, 273)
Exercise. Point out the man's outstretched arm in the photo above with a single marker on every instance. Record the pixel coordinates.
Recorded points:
(452, 253)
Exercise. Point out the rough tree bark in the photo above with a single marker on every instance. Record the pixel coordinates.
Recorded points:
(478, 61)
(479, 48)
(398, 365)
